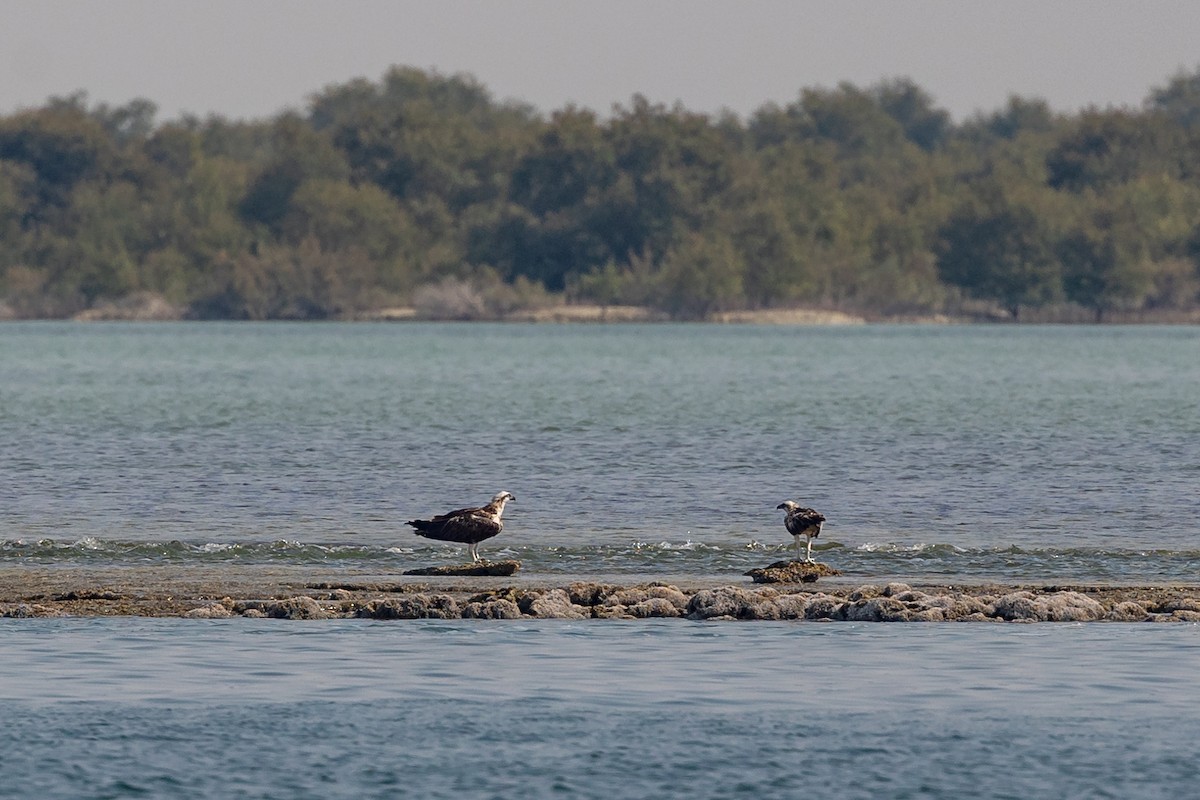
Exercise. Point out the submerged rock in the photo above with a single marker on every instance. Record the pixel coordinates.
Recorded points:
(501, 569)
(791, 572)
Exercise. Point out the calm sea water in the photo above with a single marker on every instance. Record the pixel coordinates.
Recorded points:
(976, 453)
(1015, 453)
(130, 708)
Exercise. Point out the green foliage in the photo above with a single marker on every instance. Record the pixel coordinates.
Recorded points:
(699, 276)
(1000, 251)
(62, 145)
(421, 189)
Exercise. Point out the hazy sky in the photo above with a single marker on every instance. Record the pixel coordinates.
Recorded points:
(253, 58)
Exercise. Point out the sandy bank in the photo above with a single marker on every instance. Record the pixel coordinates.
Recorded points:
(296, 593)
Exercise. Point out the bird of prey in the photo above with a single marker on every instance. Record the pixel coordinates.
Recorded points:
(469, 526)
(801, 521)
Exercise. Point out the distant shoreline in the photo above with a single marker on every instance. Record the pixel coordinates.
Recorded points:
(154, 309)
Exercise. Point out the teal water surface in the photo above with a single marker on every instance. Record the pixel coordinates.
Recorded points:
(131, 708)
(1001, 452)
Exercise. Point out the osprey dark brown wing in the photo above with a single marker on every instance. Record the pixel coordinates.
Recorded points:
(466, 526)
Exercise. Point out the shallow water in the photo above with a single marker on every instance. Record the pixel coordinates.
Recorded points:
(1010, 453)
(258, 708)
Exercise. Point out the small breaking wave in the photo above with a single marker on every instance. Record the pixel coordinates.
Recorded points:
(90, 550)
(929, 561)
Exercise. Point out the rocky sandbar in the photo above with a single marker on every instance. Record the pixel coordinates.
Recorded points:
(294, 593)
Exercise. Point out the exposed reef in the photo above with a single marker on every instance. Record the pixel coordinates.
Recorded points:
(248, 594)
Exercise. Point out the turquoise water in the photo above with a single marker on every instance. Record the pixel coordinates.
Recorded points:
(635, 452)
(1015, 453)
(124, 708)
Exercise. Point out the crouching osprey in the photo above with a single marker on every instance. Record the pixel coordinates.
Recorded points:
(801, 521)
(469, 526)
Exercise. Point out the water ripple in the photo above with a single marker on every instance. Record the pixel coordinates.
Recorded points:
(869, 561)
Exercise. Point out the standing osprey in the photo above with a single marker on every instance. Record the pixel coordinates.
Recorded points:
(470, 526)
(801, 521)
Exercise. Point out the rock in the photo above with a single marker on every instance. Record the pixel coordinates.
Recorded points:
(791, 572)
(877, 609)
(500, 569)
(822, 606)
(1024, 606)
(652, 595)
(1127, 611)
(425, 606)
(301, 607)
(1172, 604)
(952, 607)
(590, 594)
(211, 611)
(865, 592)
(29, 610)
(654, 607)
(510, 593)
(492, 609)
(1072, 607)
(733, 602)
(611, 612)
(927, 615)
(556, 604)
(792, 606)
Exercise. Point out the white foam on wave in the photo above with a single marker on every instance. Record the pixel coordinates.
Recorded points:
(671, 546)
(920, 547)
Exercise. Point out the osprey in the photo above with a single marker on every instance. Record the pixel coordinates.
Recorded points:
(470, 526)
(801, 521)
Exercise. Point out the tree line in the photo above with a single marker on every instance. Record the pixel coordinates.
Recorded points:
(421, 188)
